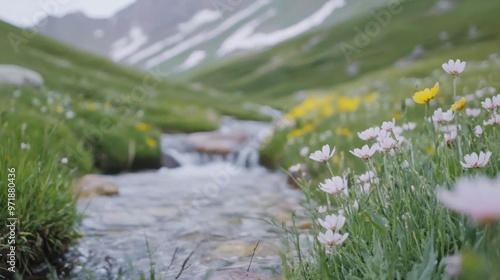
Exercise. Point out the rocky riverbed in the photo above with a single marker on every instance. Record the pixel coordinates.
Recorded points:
(204, 219)
(216, 212)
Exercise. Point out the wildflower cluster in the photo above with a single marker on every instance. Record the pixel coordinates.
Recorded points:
(305, 116)
(400, 202)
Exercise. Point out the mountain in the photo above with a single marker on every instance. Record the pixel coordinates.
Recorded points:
(404, 38)
(179, 35)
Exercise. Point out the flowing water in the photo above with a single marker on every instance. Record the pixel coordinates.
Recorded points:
(203, 220)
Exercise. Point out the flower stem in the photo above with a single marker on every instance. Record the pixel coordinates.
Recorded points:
(454, 88)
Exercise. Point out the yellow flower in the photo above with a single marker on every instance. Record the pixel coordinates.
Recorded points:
(459, 105)
(347, 104)
(59, 109)
(91, 107)
(327, 110)
(308, 127)
(143, 126)
(370, 98)
(151, 142)
(343, 131)
(424, 96)
(294, 133)
(397, 115)
(430, 150)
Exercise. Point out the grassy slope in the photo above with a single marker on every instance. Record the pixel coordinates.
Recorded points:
(323, 65)
(96, 89)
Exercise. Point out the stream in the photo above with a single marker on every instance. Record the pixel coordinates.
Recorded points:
(202, 220)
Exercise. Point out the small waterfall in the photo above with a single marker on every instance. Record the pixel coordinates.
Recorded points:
(235, 142)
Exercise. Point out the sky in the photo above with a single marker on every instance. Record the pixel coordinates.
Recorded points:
(25, 13)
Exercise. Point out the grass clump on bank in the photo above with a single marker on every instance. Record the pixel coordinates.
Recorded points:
(31, 155)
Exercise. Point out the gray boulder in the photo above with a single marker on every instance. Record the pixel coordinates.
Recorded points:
(16, 75)
(169, 161)
(94, 185)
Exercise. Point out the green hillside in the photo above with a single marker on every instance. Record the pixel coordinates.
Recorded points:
(95, 89)
(296, 65)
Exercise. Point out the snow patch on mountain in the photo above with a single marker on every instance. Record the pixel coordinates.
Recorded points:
(98, 33)
(206, 36)
(199, 19)
(155, 48)
(246, 39)
(128, 45)
(194, 59)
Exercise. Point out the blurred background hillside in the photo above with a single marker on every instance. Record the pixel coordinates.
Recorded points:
(192, 62)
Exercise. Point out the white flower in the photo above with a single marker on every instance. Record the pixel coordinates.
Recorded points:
(322, 209)
(355, 205)
(449, 128)
(490, 104)
(494, 120)
(476, 197)
(304, 151)
(64, 160)
(453, 264)
(386, 144)
(367, 177)
(382, 134)
(369, 134)
(324, 155)
(25, 146)
(400, 139)
(409, 126)
(470, 97)
(70, 115)
(397, 130)
(473, 113)
(325, 135)
(36, 101)
(496, 100)
(366, 187)
(442, 117)
(405, 164)
(454, 67)
(295, 168)
(473, 160)
(480, 93)
(333, 185)
(365, 152)
(332, 222)
(450, 137)
(329, 238)
(389, 126)
(478, 131)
